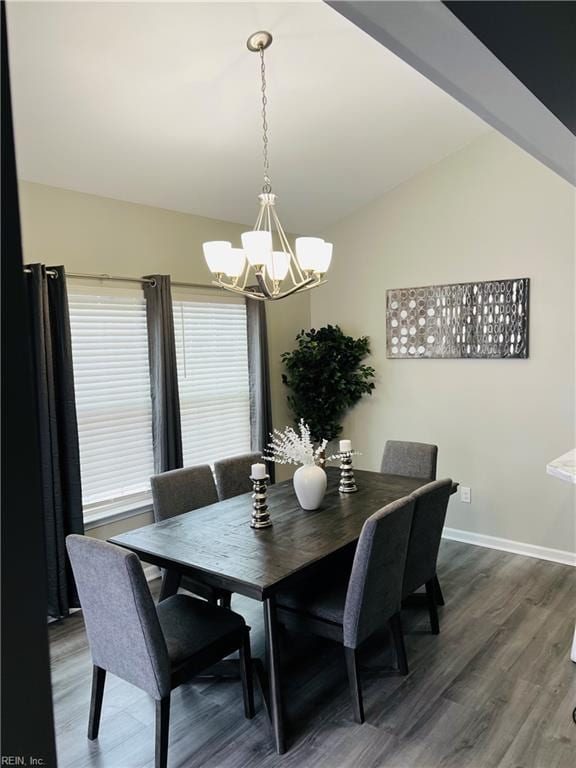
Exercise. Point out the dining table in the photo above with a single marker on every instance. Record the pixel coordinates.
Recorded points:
(216, 545)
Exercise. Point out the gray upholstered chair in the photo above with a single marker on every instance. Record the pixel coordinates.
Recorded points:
(233, 475)
(177, 492)
(349, 610)
(412, 460)
(430, 505)
(154, 648)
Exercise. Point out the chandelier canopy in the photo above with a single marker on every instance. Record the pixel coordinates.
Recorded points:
(265, 267)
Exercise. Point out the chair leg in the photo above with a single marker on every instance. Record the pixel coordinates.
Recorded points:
(354, 683)
(432, 607)
(438, 592)
(98, 680)
(398, 637)
(246, 675)
(162, 730)
(170, 583)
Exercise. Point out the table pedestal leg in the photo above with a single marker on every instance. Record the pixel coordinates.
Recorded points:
(273, 664)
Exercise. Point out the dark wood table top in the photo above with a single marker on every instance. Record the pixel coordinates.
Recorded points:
(217, 544)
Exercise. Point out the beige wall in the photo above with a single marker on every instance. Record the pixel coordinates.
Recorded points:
(94, 234)
(488, 211)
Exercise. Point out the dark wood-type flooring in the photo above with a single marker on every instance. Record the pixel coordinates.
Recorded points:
(495, 689)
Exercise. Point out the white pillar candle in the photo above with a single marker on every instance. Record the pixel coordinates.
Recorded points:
(345, 446)
(258, 471)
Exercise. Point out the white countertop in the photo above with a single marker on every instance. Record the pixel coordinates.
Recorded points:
(564, 467)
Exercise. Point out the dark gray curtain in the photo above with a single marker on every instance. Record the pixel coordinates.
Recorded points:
(259, 376)
(166, 429)
(58, 429)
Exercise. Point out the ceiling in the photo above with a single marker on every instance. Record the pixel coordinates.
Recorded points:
(158, 103)
(535, 40)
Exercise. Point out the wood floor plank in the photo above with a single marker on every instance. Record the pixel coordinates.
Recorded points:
(495, 689)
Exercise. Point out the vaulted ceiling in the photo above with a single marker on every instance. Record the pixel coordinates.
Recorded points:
(158, 103)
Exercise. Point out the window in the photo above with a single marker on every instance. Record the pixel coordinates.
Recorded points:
(112, 382)
(212, 359)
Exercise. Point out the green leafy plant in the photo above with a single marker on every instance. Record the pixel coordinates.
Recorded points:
(326, 377)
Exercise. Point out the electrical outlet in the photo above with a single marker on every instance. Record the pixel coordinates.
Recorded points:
(465, 494)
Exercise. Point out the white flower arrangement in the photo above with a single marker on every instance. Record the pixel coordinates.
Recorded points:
(343, 455)
(291, 447)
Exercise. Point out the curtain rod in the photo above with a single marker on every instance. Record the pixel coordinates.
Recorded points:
(123, 279)
(106, 276)
(50, 272)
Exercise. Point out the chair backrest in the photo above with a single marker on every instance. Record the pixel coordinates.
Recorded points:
(410, 459)
(375, 587)
(431, 503)
(182, 490)
(233, 475)
(121, 621)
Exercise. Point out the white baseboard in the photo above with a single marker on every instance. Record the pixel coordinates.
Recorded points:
(151, 572)
(506, 545)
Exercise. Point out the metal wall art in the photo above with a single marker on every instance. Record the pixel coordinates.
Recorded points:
(481, 320)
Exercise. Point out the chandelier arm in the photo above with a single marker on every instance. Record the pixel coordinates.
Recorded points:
(284, 240)
(245, 273)
(268, 280)
(296, 279)
(255, 296)
(263, 285)
(260, 217)
(291, 271)
(269, 269)
(269, 224)
(239, 291)
(314, 284)
(280, 230)
(286, 247)
(292, 260)
(305, 286)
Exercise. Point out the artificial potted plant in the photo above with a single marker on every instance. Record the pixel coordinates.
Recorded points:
(326, 377)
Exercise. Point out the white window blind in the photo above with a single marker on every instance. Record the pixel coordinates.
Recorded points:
(112, 383)
(212, 359)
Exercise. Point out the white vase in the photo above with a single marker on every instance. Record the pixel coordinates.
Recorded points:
(310, 486)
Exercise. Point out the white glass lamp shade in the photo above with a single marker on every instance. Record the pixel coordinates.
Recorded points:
(217, 255)
(235, 260)
(310, 252)
(277, 268)
(324, 259)
(257, 246)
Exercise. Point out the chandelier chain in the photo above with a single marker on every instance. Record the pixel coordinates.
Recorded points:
(267, 183)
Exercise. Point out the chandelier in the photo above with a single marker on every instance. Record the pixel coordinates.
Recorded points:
(266, 267)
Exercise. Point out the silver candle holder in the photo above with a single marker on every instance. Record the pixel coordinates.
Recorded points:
(260, 514)
(347, 481)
